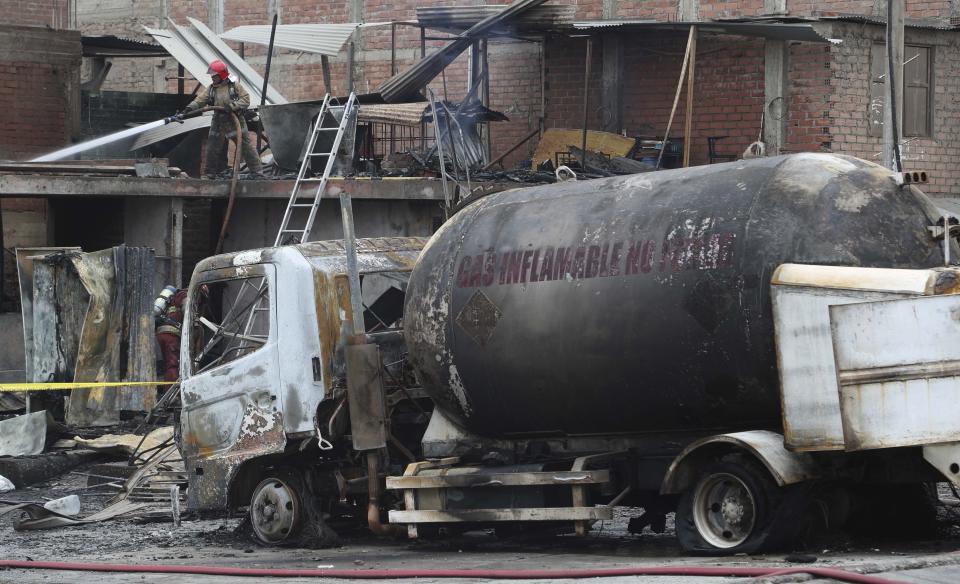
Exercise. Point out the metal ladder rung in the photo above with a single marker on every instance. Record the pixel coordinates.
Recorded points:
(320, 154)
(328, 129)
(310, 205)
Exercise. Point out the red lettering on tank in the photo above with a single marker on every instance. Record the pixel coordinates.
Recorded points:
(579, 263)
(604, 254)
(725, 255)
(593, 262)
(678, 253)
(525, 266)
(476, 271)
(535, 266)
(463, 272)
(563, 263)
(489, 267)
(514, 265)
(633, 258)
(664, 253)
(646, 258)
(615, 259)
(546, 266)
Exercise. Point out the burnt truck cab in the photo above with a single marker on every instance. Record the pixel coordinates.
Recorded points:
(262, 358)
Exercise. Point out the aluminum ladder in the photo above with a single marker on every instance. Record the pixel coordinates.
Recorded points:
(300, 202)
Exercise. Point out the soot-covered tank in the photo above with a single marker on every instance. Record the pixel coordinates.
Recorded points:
(641, 303)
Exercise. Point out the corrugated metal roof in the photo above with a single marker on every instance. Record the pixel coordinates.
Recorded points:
(460, 18)
(196, 46)
(114, 46)
(409, 114)
(923, 23)
(325, 39)
(804, 32)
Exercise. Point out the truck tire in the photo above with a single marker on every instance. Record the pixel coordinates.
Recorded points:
(734, 507)
(283, 511)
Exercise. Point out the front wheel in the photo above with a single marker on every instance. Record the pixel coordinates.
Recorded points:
(734, 507)
(283, 511)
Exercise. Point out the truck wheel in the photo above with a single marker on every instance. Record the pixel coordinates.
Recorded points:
(732, 508)
(284, 511)
(276, 509)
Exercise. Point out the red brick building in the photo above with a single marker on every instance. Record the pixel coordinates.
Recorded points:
(811, 96)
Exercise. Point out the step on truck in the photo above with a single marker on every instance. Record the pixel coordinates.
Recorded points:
(740, 344)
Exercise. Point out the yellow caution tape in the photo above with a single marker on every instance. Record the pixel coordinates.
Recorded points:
(78, 385)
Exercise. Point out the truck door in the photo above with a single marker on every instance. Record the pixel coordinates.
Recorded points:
(898, 371)
(230, 376)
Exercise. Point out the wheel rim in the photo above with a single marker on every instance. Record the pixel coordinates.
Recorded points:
(724, 511)
(274, 511)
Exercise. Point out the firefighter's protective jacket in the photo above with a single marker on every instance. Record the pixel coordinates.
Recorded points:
(221, 94)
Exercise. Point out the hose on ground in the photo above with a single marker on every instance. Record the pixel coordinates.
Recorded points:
(377, 574)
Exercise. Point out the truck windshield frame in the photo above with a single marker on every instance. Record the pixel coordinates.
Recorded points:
(244, 298)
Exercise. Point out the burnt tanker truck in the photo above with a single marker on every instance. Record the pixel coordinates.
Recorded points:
(736, 343)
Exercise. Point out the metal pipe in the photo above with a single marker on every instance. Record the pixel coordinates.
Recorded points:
(512, 148)
(586, 103)
(266, 76)
(373, 499)
(353, 275)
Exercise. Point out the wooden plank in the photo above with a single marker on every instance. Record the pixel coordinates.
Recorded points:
(509, 479)
(482, 515)
(559, 140)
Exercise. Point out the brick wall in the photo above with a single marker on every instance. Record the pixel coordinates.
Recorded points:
(728, 89)
(849, 105)
(810, 97)
(46, 13)
(39, 89)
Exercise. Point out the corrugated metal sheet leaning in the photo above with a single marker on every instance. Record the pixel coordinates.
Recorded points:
(194, 47)
(407, 84)
(324, 39)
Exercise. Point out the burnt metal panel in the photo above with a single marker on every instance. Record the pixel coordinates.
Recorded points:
(802, 295)
(898, 369)
(365, 392)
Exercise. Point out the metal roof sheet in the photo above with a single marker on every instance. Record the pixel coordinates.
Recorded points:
(114, 46)
(805, 32)
(170, 130)
(196, 46)
(325, 39)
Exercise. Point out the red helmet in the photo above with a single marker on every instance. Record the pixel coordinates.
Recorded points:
(218, 67)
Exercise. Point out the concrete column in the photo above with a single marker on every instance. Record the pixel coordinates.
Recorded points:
(774, 6)
(775, 114)
(611, 84)
(610, 8)
(688, 10)
(895, 36)
(215, 15)
(274, 7)
(158, 223)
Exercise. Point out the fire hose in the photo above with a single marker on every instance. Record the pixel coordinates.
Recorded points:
(382, 574)
(236, 163)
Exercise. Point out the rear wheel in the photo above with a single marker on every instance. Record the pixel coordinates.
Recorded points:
(735, 507)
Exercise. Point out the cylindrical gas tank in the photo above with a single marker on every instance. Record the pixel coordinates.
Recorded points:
(641, 303)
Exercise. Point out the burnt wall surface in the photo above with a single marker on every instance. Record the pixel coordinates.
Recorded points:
(111, 111)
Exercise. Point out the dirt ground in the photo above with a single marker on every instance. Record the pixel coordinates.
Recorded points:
(212, 542)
